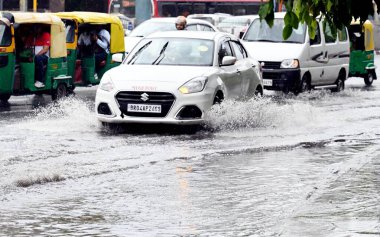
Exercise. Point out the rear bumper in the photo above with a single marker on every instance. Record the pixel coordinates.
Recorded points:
(282, 79)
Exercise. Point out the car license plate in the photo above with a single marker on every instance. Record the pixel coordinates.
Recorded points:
(267, 82)
(140, 108)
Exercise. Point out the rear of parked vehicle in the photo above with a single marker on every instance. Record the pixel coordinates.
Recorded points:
(362, 58)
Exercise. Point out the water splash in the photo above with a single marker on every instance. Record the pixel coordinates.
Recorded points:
(278, 110)
(259, 113)
(69, 114)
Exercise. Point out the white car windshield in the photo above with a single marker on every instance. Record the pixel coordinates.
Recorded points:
(260, 31)
(232, 21)
(147, 28)
(173, 51)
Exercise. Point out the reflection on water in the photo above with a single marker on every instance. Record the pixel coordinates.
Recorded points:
(274, 166)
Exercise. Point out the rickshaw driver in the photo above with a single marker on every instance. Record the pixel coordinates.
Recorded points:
(42, 46)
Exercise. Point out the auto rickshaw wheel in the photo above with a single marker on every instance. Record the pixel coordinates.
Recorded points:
(4, 98)
(60, 92)
(368, 79)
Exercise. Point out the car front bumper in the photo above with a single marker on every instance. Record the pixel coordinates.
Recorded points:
(282, 79)
(202, 100)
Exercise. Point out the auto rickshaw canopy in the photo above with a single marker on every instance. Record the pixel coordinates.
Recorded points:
(57, 29)
(117, 31)
(367, 30)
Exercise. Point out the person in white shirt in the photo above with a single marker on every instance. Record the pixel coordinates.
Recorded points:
(102, 39)
(85, 45)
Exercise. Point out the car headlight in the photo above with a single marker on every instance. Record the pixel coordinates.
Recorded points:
(194, 85)
(106, 83)
(290, 63)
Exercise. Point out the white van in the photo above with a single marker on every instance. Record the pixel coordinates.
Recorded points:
(299, 63)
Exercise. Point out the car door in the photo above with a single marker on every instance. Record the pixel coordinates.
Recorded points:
(317, 58)
(229, 74)
(338, 53)
(244, 66)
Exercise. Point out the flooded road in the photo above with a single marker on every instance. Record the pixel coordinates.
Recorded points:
(278, 166)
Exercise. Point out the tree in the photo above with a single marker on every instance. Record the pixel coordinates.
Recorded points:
(336, 13)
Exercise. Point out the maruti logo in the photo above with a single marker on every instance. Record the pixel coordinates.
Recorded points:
(144, 97)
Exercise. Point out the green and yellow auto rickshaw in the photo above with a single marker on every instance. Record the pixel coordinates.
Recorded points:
(362, 55)
(17, 62)
(82, 65)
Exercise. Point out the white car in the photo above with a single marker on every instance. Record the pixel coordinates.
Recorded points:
(175, 77)
(236, 25)
(214, 19)
(163, 24)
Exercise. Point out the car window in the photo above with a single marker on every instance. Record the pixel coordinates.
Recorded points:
(317, 38)
(342, 35)
(191, 27)
(225, 50)
(260, 31)
(148, 27)
(173, 51)
(205, 28)
(239, 53)
(329, 38)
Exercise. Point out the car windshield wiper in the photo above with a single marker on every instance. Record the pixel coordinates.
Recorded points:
(264, 40)
(161, 55)
(134, 57)
(292, 42)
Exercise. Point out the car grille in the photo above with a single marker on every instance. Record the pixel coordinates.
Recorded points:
(164, 99)
(271, 65)
(270, 75)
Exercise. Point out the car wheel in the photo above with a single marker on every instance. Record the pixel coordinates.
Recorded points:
(368, 79)
(339, 84)
(111, 127)
(60, 92)
(4, 98)
(305, 85)
(218, 98)
(258, 92)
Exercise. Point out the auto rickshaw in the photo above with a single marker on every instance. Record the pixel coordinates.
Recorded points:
(81, 65)
(362, 55)
(17, 63)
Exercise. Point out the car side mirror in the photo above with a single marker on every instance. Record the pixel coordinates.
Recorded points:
(228, 60)
(117, 57)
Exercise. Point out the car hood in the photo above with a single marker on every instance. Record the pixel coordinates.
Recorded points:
(274, 52)
(155, 78)
(130, 42)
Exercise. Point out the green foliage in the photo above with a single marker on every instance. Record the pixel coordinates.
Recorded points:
(336, 13)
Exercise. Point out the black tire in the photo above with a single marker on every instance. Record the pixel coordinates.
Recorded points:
(258, 92)
(339, 84)
(218, 98)
(111, 127)
(305, 85)
(368, 79)
(60, 92)
(4, 98)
